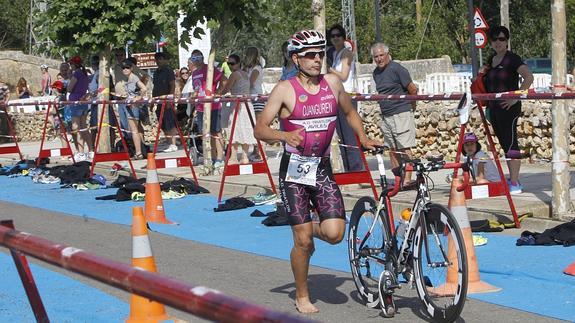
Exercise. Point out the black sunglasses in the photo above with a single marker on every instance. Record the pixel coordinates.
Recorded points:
(336, 35)
(125, 67)
(312, 55)
(499, 39)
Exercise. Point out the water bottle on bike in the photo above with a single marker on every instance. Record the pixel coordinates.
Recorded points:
(403, 223)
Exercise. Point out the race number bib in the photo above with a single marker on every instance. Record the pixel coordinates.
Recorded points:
(302, 169)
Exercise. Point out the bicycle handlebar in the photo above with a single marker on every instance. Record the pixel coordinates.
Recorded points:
(417, 165)
(434, 163)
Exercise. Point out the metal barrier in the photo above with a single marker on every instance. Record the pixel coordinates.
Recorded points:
(198, 300)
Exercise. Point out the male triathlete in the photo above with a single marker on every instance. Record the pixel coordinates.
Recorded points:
(307, 106)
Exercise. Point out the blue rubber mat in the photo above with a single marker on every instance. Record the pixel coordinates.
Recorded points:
(531, 277)
(65, 299)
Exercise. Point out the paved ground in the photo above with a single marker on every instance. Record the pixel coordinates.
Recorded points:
(257, 279)
(536, 179)
(265, 280)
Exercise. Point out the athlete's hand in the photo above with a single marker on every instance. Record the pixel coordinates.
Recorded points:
(371, 144)
(293, 138)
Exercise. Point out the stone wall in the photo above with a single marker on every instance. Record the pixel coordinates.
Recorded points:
(15, 64)
(437, 125)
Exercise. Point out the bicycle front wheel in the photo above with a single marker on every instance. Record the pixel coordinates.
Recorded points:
(366, 248)
(440, 263)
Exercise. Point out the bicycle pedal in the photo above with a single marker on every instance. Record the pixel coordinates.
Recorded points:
(387, 283)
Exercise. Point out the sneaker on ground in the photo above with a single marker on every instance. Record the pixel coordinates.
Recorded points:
(171, 149)
(515, 189)
(218, 164)
(90, 155)
(78, 157)
(255, 157)
(261, 198)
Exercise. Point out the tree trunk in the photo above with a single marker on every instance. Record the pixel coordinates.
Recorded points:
(377, 11)
(206, 133)
(417, 12)
(318, 11)
(561, 203)
(104, 95)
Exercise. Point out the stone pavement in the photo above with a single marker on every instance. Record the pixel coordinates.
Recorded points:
(536, 179)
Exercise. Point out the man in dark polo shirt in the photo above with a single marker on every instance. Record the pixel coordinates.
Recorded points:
(398, 124)
(164, 84)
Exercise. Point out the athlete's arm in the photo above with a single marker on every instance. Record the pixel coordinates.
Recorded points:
(276, 100)
(344, 103)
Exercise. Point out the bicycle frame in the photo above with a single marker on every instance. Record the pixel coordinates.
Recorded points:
(395, 256)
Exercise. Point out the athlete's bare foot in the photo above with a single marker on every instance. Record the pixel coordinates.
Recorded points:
(303, 305)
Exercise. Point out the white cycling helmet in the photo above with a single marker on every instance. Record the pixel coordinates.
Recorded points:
(305, 39)
(44, 66)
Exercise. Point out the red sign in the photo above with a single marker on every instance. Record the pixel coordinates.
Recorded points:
(480, 38)
(145, 60)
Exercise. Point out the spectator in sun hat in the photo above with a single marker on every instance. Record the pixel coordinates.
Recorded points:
(483, 166)
(136, 113)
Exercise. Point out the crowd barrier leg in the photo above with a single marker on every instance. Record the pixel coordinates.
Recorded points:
(27, 280)
(117, 156)
(54, 152)
(357, 177)
(249, 168)
(10, 149)
(490, 189)
(173, 162)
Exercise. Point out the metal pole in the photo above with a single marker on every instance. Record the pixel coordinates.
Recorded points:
(504, 14)
(561, 202)
(472, 48)
(377, 10)
(198, 300)
(30, 26)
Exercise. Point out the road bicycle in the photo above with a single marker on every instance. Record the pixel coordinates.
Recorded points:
(432, 245)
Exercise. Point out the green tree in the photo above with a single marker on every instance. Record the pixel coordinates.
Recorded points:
(94, 26)
(239, 14)
(13, 24)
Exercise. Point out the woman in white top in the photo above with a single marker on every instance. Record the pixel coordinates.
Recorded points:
(239, 84)
(253, 65)
(343, 66)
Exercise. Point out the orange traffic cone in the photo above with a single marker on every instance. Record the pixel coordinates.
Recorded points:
(459, 210)
(154, 205)
(570, 270)
(142, 309)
